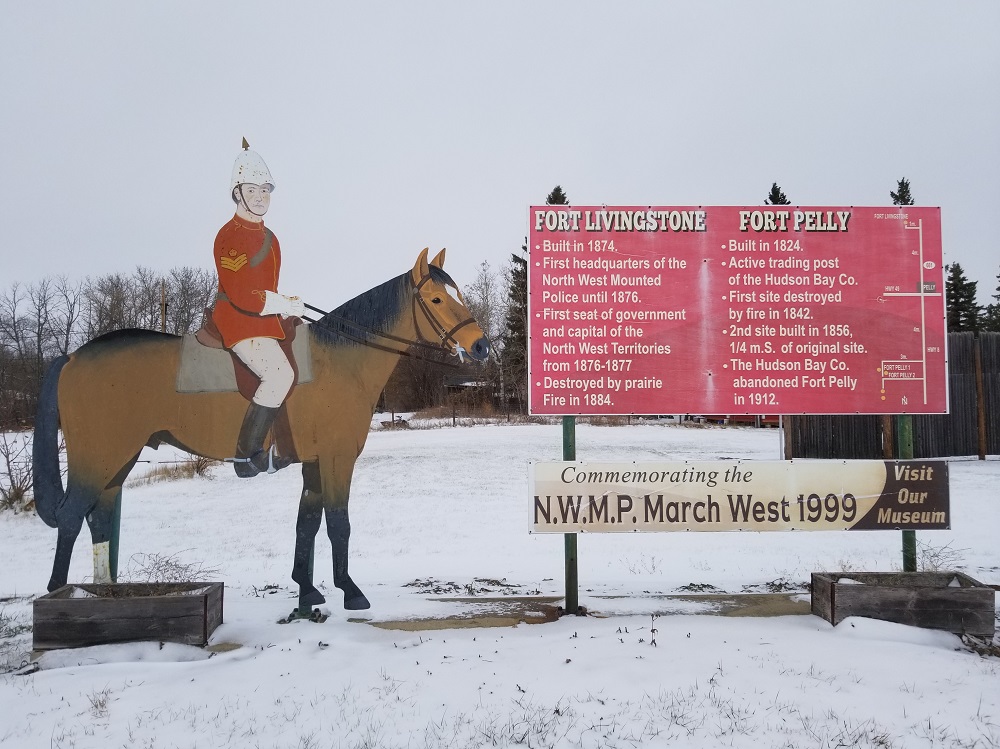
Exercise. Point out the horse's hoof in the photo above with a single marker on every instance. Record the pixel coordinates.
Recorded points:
(358, 603)
(311, 597)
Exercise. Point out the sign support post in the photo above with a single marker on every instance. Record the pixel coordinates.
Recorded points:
(904, 451)
(572, 576)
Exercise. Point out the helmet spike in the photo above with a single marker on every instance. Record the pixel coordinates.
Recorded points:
(246, 146)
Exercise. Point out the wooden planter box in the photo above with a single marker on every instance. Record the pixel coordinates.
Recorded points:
(81, 615)
(931, 600)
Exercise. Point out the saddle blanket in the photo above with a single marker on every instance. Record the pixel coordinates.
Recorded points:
(210, 370)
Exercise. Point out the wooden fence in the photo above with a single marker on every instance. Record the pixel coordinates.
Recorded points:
(971, 428)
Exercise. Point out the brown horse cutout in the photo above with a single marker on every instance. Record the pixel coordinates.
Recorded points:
(117, 394)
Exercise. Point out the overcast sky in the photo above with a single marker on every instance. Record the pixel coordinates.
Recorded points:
(391, 126)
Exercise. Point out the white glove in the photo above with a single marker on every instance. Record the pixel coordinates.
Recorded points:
(279, 304)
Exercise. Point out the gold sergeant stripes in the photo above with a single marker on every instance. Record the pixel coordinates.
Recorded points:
(233, 264)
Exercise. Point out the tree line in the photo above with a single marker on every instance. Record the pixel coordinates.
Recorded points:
(54, 316)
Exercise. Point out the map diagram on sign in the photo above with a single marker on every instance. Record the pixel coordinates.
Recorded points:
(735, 310)
(913, 368)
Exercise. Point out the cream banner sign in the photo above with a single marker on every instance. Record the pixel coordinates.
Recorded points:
(807, 495)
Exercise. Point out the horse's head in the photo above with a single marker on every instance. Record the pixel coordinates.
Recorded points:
(441, 314)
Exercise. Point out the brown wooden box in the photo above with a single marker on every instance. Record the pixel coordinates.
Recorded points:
(76, 616)
(921, 599)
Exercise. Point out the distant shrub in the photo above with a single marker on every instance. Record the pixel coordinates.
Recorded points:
(15, 472)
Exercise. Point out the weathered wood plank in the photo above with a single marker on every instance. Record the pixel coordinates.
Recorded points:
(185, 613)
(822, 597)
(920, 599)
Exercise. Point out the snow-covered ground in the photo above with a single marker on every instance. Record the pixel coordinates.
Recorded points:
(449, 507)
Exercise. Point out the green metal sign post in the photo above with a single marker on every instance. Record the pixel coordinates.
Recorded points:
(572, 576)
(904, 451)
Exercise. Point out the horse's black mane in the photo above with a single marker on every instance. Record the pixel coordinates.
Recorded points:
(373, 312)
(377, 310)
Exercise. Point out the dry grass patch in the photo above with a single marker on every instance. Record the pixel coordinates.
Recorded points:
(195, 465)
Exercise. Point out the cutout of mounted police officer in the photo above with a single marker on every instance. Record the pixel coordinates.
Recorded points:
(248, 308)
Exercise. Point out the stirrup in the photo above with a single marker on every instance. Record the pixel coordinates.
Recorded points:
(275, 461)
(272, 465)
(250, 460)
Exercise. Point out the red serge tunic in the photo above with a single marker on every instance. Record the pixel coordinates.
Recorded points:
(247, 266)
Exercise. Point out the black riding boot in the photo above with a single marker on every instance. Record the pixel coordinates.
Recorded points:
(251, 458)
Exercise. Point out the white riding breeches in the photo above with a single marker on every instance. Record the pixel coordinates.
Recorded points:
(265, 359)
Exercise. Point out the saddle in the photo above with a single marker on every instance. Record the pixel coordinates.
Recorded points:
(246, 381)
(201, 370)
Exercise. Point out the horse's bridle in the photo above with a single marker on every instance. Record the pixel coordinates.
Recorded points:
(447, 337)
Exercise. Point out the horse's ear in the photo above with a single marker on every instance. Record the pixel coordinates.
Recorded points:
(420, 270)
(438, 261)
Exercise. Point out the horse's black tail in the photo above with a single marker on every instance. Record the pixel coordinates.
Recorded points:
(47, 478)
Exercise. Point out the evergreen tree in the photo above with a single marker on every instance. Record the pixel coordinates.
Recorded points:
(902, 195)
(776, 196)
(991, 315)
(514, 358)
(515, 333)
(963, 313)
(557, 197)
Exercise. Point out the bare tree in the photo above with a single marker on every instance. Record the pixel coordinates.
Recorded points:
(147, 292)
(487, 300)
(55, 316)
(38, 322)
(65, 319)
(190, 291)
(15, 472)
(107, 304)
(25, 334)
(9, 357)
(116, 301)
(10, 314)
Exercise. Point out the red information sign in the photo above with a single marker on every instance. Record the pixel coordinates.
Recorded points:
(736, 310)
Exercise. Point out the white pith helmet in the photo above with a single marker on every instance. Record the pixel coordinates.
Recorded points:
(250, 167)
